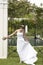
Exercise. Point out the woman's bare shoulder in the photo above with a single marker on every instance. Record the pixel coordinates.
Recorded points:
(18, 29)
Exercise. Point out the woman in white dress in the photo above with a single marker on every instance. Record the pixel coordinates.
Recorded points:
(26, 52)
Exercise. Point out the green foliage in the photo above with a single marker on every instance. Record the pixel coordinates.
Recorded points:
(18, 9)
(23, 9)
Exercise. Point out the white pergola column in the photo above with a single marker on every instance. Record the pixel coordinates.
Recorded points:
(3, 28)
(26, 29)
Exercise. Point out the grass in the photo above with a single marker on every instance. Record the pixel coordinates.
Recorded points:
(13, 58)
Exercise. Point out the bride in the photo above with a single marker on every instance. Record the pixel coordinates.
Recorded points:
(26, 52)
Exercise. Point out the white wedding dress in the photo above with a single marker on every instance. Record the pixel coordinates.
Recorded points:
(26, 52)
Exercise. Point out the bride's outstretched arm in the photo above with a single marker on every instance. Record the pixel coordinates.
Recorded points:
(9, 35)
(12, 34)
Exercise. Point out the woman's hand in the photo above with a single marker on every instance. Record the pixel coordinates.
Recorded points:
(4, 38)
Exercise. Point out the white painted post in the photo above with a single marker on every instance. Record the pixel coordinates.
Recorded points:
(3, 28)
(26, 29)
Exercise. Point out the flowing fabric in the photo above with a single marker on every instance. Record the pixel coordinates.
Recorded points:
(25, 50)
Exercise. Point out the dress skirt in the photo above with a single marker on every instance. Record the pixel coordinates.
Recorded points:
(26, 52)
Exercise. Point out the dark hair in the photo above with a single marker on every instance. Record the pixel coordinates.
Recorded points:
(22, 26)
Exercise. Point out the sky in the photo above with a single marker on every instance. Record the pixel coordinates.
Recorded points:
(37, 2)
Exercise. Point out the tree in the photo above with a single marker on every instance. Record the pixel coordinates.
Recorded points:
(18, 9)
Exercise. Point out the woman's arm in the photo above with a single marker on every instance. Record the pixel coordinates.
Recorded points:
(9, 35)
(12, 34)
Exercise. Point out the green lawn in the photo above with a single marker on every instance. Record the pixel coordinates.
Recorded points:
(13, 58)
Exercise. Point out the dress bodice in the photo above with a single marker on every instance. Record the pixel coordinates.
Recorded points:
(19, 34)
